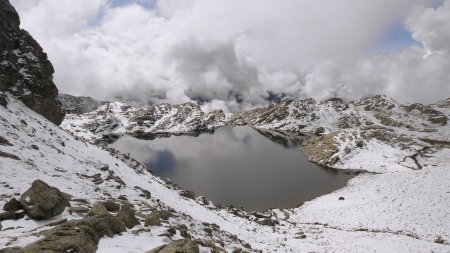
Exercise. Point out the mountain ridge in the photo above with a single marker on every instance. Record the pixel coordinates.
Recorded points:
(60, 193)
(334, 130)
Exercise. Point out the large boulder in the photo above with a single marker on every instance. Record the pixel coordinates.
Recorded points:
(25, 71)
(127, 216)
(180, 246)
(80, 236)
(98, 209)
(42, 201)
(153, 219)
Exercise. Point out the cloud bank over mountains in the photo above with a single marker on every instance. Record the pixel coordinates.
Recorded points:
(234, 54)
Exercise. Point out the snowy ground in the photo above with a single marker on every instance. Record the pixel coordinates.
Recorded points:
(400, 210)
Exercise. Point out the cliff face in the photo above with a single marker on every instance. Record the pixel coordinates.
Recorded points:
(25, 70)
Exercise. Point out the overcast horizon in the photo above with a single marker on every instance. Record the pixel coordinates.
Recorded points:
(236, 54)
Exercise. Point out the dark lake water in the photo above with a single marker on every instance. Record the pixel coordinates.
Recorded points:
(236, 166)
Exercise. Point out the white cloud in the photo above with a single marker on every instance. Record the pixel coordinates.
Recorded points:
(233, 52)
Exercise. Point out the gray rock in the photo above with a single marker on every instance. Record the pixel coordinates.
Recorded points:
(12, 250)
(111, 206)
(42, 201)
(165, 215)
(319, 131)
(78, 210)
(267, 222)
(11, 215)
(13, 205)
(178, 246)
(3, 101)
(127, 216)
(98, 209)
(183, 230)
(4, 142)
(8, 155)
(153, 219)
(188, 194)
(78, 236)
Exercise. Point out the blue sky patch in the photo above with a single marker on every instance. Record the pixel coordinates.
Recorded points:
(395, 39)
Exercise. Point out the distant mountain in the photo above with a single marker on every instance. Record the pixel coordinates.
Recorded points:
(332, 132)
(113, 120)
(79, 105)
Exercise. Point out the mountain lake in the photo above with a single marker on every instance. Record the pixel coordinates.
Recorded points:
(237, 166)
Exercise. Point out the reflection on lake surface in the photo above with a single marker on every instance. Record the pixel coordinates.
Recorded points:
(236, 166)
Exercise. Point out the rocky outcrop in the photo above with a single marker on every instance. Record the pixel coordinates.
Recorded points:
(75, 236)
(25, 70)
(322, 150)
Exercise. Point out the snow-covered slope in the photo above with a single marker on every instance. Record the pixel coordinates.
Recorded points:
(375, 134)
(399, 211)
(115, 119)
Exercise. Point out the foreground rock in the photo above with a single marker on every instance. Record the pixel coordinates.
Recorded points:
(80, 236)
(127, 216)
(180, 246)
(25, 70)
(42, 201)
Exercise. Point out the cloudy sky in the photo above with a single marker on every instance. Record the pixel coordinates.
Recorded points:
(238, 53)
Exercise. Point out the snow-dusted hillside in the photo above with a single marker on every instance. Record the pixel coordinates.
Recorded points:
(401, 205)
(115, 119)
(375, 134)
(403, 211)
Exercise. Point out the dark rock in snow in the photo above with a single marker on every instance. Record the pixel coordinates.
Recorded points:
(78, 235)
(98, 209)
(42, 201)
(111, 206)
(165, 215)
(128, 216)
(12, 250)
(4, 142)
(153, 219)
(319, 131)
(8, 155)
(13, 205)
(3, 101)
(188, 194)
(78, 210)
(182, 246)
(11, 215)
